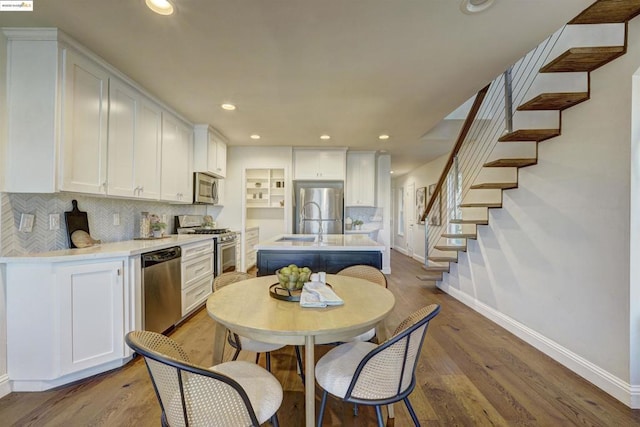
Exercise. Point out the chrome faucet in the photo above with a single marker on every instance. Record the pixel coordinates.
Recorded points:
(319, 217)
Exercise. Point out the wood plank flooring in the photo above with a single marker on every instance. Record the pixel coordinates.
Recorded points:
(471, 373)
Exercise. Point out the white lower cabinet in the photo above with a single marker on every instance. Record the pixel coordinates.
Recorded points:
(197, 274)
(65, 320)
(91, 298)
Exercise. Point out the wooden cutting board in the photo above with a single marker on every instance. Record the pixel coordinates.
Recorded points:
(75, 220)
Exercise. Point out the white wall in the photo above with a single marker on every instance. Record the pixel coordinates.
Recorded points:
(4, 380)
(427, 174)
(634, 279)
(553, 265)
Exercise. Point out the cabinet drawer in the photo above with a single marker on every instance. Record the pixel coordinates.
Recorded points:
(193, 250)
(252, 234)
(196, 294)
(195, 269)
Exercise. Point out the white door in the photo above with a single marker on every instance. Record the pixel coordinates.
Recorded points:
(409, 209)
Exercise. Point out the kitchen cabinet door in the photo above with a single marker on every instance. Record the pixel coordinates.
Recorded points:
(85, 100)
(312, 164)
(176, 175)
(147, 150)
(360, 188)
(135, 126)
(92, 301)
(210, 152)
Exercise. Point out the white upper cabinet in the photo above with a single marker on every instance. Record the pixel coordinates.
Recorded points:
(210, 151)
(77, 124)
(319, 164)
(85, 101)
(177, 175)
(135, 128)
(361, 179)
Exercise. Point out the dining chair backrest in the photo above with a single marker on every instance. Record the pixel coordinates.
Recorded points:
(387, 373)
(366, 272)
(188, 394)
(228, 278)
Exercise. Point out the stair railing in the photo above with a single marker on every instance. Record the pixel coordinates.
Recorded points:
(487, 120)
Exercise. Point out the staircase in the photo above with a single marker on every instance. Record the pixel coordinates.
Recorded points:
(518, 148)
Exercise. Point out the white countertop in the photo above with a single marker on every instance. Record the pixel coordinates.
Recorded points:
(330, 242)
(107, 250)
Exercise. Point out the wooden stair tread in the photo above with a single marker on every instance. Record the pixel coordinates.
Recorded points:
(496, 185)
(480, 205)
(444, 247)
(518, 163)
(442, 259)
(609, 11)
(583, 59)
(554, 101)
(436, 268)
(537, 135)
(459, 235)
(430, 275)
(478, 221)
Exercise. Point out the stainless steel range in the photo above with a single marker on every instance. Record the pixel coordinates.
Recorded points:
(224, 240)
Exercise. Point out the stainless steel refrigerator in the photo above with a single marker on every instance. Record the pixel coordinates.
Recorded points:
(318, 205)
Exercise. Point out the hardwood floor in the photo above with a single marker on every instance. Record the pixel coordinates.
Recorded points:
(471, 373)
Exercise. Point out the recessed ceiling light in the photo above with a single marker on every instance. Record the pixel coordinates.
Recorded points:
(391, 172)
(325, 137)
(255, 136)
(161, 7)
(383, 136)
(475, 6)
(228, 107)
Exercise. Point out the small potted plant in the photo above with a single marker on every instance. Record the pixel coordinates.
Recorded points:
(357, 224)
(157, 227)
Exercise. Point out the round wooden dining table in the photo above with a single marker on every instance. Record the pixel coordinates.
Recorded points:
(248, 309)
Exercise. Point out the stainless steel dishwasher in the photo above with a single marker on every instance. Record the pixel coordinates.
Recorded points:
(161, 290)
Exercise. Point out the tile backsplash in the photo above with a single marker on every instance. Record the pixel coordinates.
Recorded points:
(100, 212)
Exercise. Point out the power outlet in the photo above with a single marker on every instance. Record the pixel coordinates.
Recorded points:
(54, 221)
(26, 223)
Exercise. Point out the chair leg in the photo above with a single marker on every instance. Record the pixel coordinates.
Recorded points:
(268, 361)
(274, 420)
(379, 416)
(355, 409)
(390, 410)
(322, 405)
(257, 358)
(235, 355)
(300, 365)
(411, 412)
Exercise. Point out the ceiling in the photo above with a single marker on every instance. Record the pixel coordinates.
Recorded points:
(296, 69)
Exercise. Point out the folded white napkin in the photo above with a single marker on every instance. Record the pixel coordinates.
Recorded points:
(317, 294)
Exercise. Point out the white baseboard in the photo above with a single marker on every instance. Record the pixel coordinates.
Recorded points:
(5, 385)
(401, 250)
(616, 387)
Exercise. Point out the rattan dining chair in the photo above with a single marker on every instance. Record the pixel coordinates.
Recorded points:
(368, 374)
(240, 343)
(371, 274)
(229, 394)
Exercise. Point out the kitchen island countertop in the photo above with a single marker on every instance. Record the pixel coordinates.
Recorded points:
(125, 248)
(330, 242)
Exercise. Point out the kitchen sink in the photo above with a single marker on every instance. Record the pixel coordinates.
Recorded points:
(297, 239)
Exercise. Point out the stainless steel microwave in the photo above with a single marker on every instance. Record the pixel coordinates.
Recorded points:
(205, 189)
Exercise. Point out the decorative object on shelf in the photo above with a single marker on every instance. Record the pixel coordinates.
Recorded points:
(207, 221)
(434, 216)
(145, 226)
(157, 227)
(282, 203)
(421, 194)
(258, 184)
(357, 224)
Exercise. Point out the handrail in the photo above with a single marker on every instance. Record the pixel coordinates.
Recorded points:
(473, 112)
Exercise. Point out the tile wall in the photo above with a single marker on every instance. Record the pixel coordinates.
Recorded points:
(100, 212)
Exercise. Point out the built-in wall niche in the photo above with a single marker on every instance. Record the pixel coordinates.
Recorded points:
(265, 188)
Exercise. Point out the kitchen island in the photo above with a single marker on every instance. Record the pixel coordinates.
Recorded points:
(330, 253)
